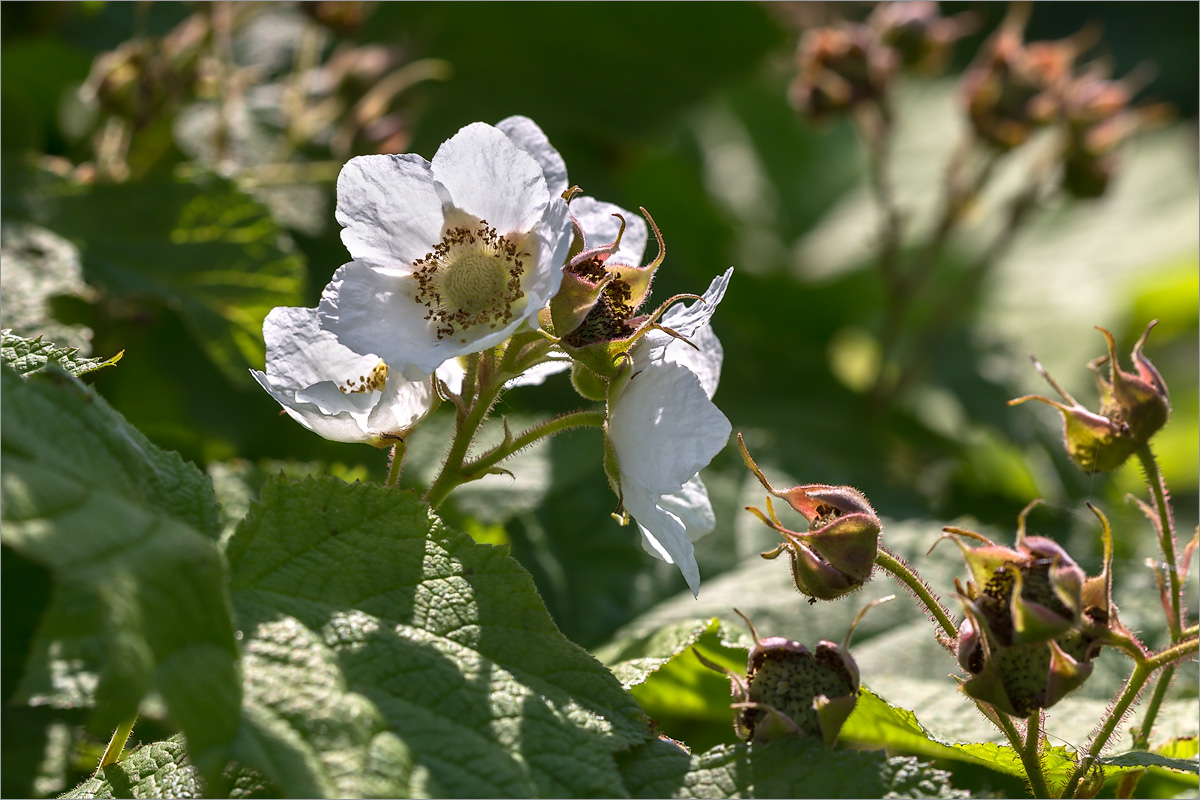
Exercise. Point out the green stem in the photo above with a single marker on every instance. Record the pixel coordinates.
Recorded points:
(395, 463)
(1133, 687)
(1166, 533)
(902, 573)
(1031, 756)
(116, 745)
(468, 425)
(576, 419)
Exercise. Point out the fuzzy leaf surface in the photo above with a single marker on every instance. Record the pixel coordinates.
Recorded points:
(162, 769)
(386, 654)
(791, 767)
(31, 355)
(139, 591)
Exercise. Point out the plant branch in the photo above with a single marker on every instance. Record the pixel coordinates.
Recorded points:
(116, 745)
(901, 571)
(1031, 756)
(576, 419)
(1166, 532)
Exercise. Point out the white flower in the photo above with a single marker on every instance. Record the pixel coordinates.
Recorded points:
(450, 256)
(335, 392)
(664, 428)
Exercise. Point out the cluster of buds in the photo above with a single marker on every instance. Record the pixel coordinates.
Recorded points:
(1014, 87)
(1034, 621)
(842, 67)
(836, 554)
(789, 690)
(1133, 407)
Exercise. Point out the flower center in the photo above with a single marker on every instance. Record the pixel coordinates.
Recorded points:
(472, 277)
(373, 381)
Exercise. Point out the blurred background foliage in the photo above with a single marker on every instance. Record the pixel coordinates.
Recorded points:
(168, 177)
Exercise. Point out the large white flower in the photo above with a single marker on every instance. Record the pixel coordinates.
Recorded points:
(335, 392)
(450, 256)
(664, 428)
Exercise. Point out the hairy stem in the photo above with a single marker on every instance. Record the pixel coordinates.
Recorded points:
(1166, 527)
(116, 745)
(469, 418)
(395, 463)
(905, 575)
(1030, 754)
(576, 419)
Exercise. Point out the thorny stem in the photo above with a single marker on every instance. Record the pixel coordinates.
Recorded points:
(902, 573)
(1134, 684)
(1166, 533)
(395, 463)
(116, 745)
(1031, 756)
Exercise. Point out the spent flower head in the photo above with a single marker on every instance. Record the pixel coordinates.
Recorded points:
(1133, 407)
(840, 68)
(1034, 622)
(337, 393)
(450, 256)
(920, 35)
(789, 690)
(836, 554)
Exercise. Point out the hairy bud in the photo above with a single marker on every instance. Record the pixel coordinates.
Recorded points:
(837, 553)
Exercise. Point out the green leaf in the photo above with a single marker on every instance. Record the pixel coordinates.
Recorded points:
(31, 355)
(139, 598)
(202, 247)
(633, 659)
(385, 654)
(163, 769)
(1140, 758)
(791, 767)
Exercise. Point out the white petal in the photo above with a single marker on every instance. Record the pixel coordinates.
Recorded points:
(686, 319)
(526, 135)
(300, 353)
(537, 374)
(601, 227)
(704, 360)
(665, 429)
(371, 312)
(341, 427)
(390, 210)
(692, 322)
(401, 405)
(543, 279)
(663, 534)
(491, 178)
(693, 508)
(452, 374)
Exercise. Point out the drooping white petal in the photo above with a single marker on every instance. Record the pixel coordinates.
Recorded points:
(300, 353)
(390, 212)
(490, 178)
(601, 227)
(341, 427)
(452, 374)
(663, 533)
(526, 135)
(691, 321)
(693, 508)
(664, 428)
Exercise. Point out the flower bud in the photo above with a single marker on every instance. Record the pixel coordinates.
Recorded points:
(1132, 409)
(837, 553)
(1034, 622)
(840, 68)
(789, 690)
(1014, 87)
(921, 36)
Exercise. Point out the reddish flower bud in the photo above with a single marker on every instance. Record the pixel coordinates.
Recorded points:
(1132, 409)
(921, 36)
(789, 690)
(839, 68)
(837, 553)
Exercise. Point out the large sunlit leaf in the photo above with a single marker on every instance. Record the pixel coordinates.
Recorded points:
(201, 247)
(385, 654)
(139, 599)
(790, 767)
